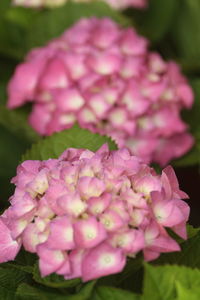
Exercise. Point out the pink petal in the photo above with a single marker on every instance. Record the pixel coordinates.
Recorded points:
(165, 244)
(65, 268)
(104, 63)
(117, 117)
(147, 184)
(39, 184)
(167, 213)
(150, 255)
(105, 34)
(75, 64)
(30, 238)
(131, 44)
(50, 260)
(42, 113)
(97, 205)
(22, 86)
(179, 145)
(111, 220)
(54, 76)
(99, 105)
(9, 247)
(102, 261)
(72, 204)
(56, 189)
(69, 100)
(76, 258)
(132, 67)
(89, 233)
(186, 94)
(130, 241)
(138, 217)
(181, 230)
(169, 171)
(90, 187)
(61, 236)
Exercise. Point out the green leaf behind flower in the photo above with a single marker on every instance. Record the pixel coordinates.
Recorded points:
(53, 146)
(160, 282)
(187, 293)
(16, 122)
(185, 33)
(54, 280)
(28, 28)
(10, 278)
(155, 21)
(51, 23)
(111, 293)
(28, 292)
(189, 255)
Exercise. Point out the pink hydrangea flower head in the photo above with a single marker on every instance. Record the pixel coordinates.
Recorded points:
(105, 78)
(84, 213)
(116, 4)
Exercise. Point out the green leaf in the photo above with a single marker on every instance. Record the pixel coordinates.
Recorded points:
(10, 152)
(185, 294)
(28, 28)
(51, 23)
(13, 265)
(7, 65)
(16, 123)
(85, 292)
(27, 292)
(13, 39)
(4, 6)
(21, 15)
(53, 146)
(189, 255)
(160, 282)
(16, 136)
(9, 281)
(186, 30)
(25, 260)
(155, 21)
(111, 293)
(53, 280)
(192, 231)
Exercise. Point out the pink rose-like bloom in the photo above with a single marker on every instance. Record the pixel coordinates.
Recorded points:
(117, 4)
(105, 78)
(86, 212)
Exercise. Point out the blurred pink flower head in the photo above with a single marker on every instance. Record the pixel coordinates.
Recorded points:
(116, 4)
(105, 78)
(86, 212)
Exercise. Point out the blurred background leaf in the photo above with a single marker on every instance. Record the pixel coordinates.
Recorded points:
(155, 22)
(185, 32)
(27, 28)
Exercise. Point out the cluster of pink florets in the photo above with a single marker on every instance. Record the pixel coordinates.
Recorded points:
(85, 213)
(104, 78)
(117, 4)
